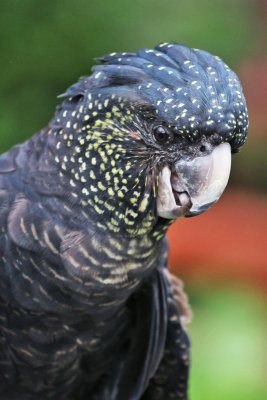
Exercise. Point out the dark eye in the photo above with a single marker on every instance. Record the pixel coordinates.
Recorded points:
(161, 134)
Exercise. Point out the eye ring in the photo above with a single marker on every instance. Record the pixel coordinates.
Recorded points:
(161, 134)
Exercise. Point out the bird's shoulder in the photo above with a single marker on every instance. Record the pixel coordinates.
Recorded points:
(54, 252)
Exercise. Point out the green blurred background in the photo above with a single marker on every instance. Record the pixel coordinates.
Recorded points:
(45, 46)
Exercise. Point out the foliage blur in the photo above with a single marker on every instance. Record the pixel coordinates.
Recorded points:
(45, 46)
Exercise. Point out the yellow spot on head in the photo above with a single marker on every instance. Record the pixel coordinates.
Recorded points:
(92, 174)
(144, 203)
(85, 191)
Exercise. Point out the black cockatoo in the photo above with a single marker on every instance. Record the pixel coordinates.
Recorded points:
(88, 309)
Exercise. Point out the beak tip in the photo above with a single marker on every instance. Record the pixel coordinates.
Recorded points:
(199, 210)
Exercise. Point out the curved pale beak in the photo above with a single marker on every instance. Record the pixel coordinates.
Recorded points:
(194, 185)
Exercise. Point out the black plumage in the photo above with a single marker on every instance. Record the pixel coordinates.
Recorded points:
(87, 307)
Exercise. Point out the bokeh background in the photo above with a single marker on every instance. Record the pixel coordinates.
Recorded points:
(222, 257)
